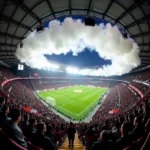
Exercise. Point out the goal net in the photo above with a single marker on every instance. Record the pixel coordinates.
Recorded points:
(51, 101)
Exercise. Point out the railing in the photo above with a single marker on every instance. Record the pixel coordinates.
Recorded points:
(35, 78)
(142, 82)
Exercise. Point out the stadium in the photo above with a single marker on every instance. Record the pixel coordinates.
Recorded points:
(74, 75)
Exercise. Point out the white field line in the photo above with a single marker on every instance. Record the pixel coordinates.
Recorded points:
(88, 106)
(69, 102)
(67, 110)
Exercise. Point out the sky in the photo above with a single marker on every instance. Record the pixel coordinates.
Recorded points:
(85, 58)
(70, 42)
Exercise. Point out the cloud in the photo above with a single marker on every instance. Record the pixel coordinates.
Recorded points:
(73, 35)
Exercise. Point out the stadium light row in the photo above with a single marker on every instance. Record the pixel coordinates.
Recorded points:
(72, 70)
(91, 72)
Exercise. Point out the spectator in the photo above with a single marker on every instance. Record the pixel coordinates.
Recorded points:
(90, 131)
(138, 131)
(12, 129)
(125, 139)
(103, 143)
(25, 122)
(62, 127)
(71, 134)
(41, 140)
(130, 120)
(4, 114)
(51, 134)
(116, 134)
(31, 128)
(2, 102)
(145, 114)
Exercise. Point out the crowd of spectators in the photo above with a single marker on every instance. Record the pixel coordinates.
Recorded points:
(108, 105)
(144, 76)
(127, 98)
(141, 77)
(40, 84)
(124, 131)
(47, 130)
(5, 74)
(142, 87)
(25, 128)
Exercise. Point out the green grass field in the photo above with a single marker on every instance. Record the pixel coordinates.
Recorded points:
(76, 101)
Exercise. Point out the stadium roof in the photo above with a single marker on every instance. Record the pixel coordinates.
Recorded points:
(19, 17)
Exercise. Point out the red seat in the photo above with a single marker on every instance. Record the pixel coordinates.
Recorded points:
(14, 145)
(141, 141)
(33, 147)
(8, 143)
(141, 138)
(136, 145)
(63, 133)
(146, 144)
(25, 138)
(58, 136)
(147, 125)
(3, 139)
(90, 140)
(132, 146)
(2, 135)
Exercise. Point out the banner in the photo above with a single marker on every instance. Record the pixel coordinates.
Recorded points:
(113, 111)
(34, 111)
(27, 109)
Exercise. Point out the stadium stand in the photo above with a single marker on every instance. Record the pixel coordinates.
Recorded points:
(35, 113)
(108, 105)
(126, 102)
(122, 120)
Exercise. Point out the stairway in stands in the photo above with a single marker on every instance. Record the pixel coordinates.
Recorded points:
(77, 144)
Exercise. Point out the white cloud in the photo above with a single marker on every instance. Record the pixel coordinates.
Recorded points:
(73, 35)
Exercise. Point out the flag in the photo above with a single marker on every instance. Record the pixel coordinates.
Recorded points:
(34, 111)
(111, 112)
(27, 109)
(115, 111)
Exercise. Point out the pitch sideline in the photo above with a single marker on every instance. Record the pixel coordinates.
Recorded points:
(89, 106)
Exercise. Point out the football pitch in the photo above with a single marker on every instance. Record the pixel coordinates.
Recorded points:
(75, 101)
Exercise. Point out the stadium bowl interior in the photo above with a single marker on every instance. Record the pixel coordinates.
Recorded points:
(37, 105)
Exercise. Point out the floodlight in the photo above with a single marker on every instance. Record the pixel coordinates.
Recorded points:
(55, 66)
(21, 45)
(72, 70)
(89, 21)
(40, 27)
(95, 73)
(125, 35)
(84, 72)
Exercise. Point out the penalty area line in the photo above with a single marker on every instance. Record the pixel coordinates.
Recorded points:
(67, 111)
(89, 106)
